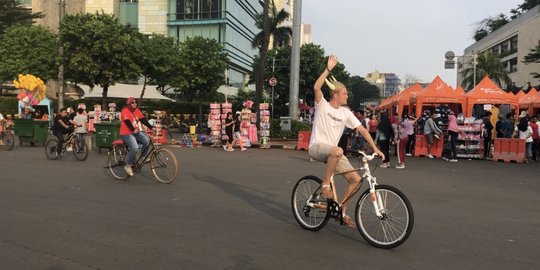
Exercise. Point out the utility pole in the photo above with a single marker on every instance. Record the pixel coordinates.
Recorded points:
(62, 11)
(295, 60)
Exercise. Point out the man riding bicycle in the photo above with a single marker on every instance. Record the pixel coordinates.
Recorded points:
(62, 126)
(330, 120)
(131, 119)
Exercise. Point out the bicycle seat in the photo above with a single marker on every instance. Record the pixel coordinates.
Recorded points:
(118, 142)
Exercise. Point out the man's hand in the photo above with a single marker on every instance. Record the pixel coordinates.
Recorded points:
(332, 62)
(379, 153)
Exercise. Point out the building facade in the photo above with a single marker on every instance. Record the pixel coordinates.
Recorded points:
(512, 43)
(388, 83)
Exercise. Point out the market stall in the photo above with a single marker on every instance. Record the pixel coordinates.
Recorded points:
(436, 93)
(526, 102)
(402, 99)
(487, 92)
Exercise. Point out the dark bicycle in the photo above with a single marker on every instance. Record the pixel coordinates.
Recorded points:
(163, 163)
(79, 148)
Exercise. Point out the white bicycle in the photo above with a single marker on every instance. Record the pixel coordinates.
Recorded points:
(384, 216)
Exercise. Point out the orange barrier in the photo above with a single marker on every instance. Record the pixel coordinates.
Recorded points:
(420, 148)
(303, 140)
(509, 150)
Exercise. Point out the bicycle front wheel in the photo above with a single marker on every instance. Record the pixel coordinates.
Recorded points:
(164, 166)
(396, 223)
(50, 149)
(9, 141)
(116, 163)
(80, 150)
(310, 208)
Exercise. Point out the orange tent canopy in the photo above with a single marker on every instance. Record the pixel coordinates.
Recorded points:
(403, 98)
(460, 91)
(487, 92)
(520, 93)
(437, 92)
(525, 100)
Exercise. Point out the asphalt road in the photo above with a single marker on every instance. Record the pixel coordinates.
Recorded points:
(231, 210)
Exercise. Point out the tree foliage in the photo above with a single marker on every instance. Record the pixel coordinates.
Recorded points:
(361, 90)
(281, 34)
(486, 64)
(533, 57)
(98, 50)
(159, 62)
(28, 50)
(12, 13)
(203, 62)
(490, 25)
(522, 8)
(312, 62)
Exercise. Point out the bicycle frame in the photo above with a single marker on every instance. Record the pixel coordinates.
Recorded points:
(366, 175)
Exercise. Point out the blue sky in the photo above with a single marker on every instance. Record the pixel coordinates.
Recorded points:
(403, 37)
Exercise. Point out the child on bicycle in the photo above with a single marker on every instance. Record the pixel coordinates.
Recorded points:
(131, 133)
(330, 120)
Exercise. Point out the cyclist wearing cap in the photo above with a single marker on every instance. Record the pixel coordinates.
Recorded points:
(131, 119)
(330, 120)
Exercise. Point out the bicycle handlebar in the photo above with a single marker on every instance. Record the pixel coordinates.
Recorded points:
(366, 156)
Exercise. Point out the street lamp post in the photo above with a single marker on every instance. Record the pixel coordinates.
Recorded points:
(450, 62)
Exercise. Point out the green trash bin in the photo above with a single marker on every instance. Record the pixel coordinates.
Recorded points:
(41, 131)
(106, 133)
(24, 129)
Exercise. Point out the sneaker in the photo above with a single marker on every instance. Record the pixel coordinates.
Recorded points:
(230, 150)
(400, 166)
(453, 160)
(445, 159)
(128, 169)
(430, 156)
(385, 165)
(243, 149)
(408, 154)
(225, 147)
(69, 149)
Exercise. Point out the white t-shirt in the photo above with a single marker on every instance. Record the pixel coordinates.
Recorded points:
(526, 134)
(329, 123)
(80, 119)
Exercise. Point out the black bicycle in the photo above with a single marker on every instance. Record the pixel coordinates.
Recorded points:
(72, 143)
(163, 163)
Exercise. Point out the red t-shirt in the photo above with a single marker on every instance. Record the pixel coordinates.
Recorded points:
(133, 117)
(534, 127)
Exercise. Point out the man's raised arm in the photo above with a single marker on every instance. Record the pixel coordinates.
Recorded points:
(317, 88)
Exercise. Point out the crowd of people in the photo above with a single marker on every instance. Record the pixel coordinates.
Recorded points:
(398, 133)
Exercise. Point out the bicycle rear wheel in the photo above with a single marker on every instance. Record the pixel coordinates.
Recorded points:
(310, 208)
(116, 161)
(9, 141)
(164, 166)
(80, 150)
(50, 149)
(394, 227)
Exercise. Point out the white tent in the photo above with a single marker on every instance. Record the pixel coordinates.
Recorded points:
(124, 91)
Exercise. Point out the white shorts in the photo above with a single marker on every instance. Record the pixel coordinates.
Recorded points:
(320, 152)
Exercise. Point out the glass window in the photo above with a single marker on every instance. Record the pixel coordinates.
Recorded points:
(209, 9)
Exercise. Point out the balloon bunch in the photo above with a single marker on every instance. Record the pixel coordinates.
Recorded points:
(32, 88)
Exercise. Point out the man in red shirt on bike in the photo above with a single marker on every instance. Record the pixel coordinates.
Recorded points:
(131, 119)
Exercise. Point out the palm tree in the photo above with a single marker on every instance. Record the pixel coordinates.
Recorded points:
(268, 22)
(281, 34)
(486, 64)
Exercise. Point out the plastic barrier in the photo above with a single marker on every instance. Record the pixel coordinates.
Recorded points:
(509, 150)
(420, 148)
(303, 140)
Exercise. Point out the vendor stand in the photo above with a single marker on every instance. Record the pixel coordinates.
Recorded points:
(32, 102)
